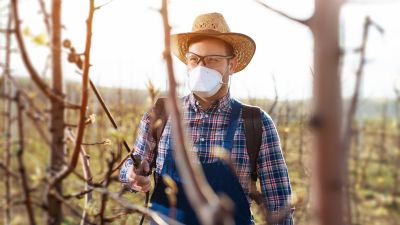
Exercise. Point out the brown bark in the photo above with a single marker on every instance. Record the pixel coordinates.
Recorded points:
(104, 196)
(54, 213)
(87, 174)
(327, 181)
(40, 130)
(39, 114)
(348, 125)
(84, 101)
(21, 165)
(328, 158)
(7, 122)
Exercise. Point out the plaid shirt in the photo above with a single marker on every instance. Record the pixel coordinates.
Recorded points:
(207, 128)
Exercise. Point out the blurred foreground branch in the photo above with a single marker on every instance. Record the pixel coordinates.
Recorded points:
(209, 208)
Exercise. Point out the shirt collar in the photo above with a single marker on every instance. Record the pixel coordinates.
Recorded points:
(223, 103)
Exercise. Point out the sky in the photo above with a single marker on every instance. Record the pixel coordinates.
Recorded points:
(127, 44)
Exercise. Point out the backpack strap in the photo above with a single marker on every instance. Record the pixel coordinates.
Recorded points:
(158, 119)
(253, 132)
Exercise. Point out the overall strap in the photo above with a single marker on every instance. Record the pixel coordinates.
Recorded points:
(233, 121)
(253, 131)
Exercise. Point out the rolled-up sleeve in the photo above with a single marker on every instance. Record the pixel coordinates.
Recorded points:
(273, 174)
(143, 147)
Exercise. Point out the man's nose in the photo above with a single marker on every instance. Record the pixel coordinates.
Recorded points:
(201, 62)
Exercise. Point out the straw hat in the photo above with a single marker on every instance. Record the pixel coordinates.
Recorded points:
(214, 25)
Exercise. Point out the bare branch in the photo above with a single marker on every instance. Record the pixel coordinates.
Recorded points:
(87, 179)
(123, 160)
(348, 122)
(79, 176)
(28, 64)
(84, 100)
(38, 128)
(303, 22)
(110, 117)
(78, 195)
(8, 171)
(377, 26)
(100, 6)
(271, 109)
(105, 142)
(21, 165)
(46, 16)
(157, 218)
(27, 98)
(353, 105)
(117, 216)
(74, 211)
(104, 196)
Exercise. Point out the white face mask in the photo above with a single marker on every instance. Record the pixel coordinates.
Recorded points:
(204, 82)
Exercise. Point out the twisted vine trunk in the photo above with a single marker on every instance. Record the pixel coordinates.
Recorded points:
(54, 214)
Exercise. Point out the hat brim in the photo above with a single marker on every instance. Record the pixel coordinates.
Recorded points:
(243, 46)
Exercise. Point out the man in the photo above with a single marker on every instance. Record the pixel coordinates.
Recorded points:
(213, 118)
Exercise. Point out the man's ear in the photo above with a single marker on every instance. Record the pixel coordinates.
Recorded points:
(232, 65)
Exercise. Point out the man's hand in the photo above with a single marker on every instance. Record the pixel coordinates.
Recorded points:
(137, 180)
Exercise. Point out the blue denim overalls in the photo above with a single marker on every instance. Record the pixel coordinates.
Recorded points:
(220, 177)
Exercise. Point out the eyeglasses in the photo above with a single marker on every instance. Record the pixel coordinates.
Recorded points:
(193, 59)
